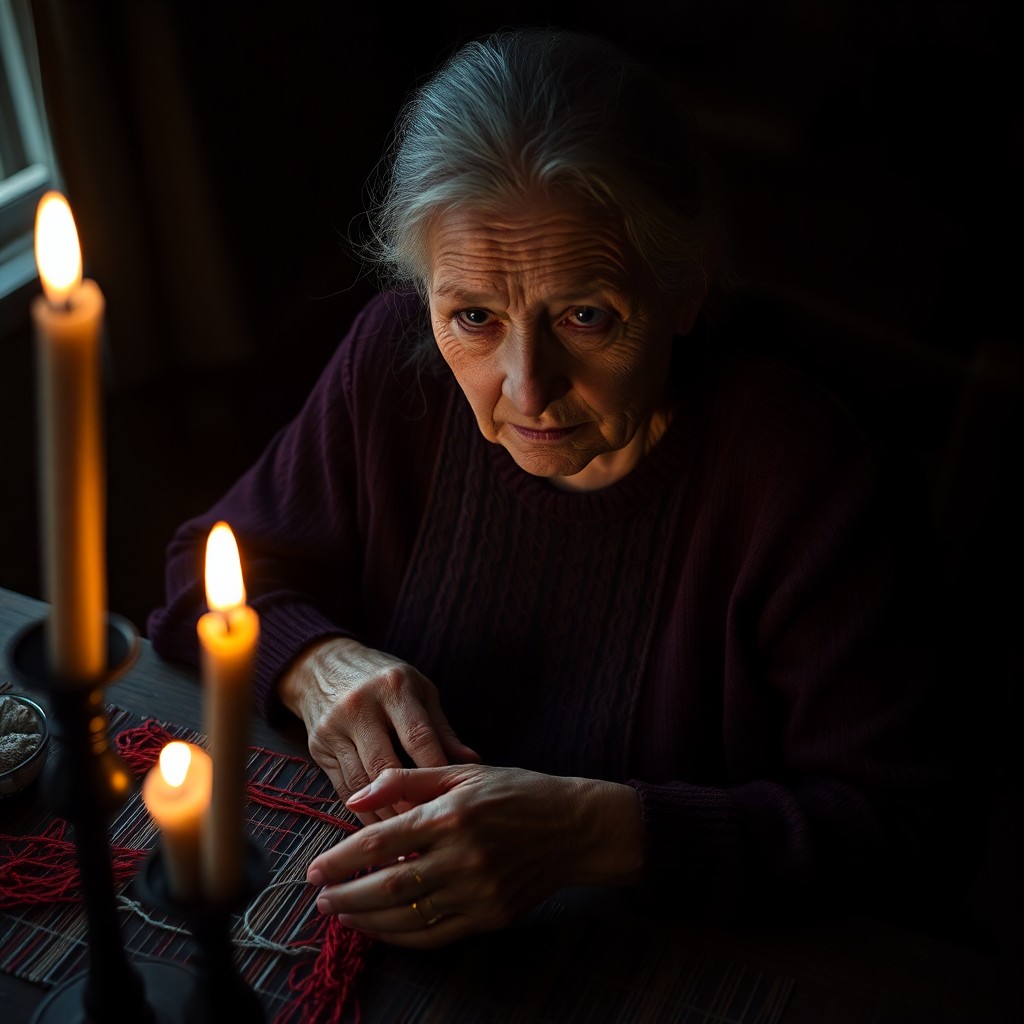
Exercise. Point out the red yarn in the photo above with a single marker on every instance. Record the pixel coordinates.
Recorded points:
(140, 746)
(44, 869)
(324, 990)
(283, 799)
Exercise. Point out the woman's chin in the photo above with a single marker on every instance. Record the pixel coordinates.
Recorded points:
(551, 464)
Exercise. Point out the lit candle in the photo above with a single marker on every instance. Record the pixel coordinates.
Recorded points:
(228, 635)
(67, 322)
(176, 792)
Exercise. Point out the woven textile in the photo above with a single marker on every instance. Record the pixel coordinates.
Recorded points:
(48, 944)
(556, 965)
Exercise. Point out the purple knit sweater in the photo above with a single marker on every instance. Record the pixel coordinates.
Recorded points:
(723, 629)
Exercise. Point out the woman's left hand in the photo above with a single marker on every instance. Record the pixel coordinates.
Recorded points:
(478, 847)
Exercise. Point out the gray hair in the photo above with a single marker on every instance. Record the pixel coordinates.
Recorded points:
(540, 109)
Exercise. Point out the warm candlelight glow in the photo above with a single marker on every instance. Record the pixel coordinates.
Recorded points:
(68, 323)
(228, 638)
(224, 587)
(174, 761)
(177, 792)
(58, 253)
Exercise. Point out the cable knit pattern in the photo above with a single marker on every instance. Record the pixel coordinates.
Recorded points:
(502, 588)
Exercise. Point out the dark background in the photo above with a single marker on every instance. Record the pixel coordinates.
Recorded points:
(869, 162)
(868, 156)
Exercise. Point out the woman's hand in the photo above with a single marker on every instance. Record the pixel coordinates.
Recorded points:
(477, 847)
(356, 703)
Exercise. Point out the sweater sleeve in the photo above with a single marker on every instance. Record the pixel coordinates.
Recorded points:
(834, 716)
(295, 516)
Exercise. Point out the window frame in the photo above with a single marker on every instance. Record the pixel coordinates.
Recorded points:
(21, 190)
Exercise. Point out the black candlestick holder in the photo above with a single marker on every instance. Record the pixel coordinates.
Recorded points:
(219, 992)
(86, 782)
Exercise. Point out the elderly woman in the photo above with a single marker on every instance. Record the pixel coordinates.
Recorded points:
(563, 596)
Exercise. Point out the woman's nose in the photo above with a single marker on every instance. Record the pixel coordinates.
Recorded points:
(534, 377)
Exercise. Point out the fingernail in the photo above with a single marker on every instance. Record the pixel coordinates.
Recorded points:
(359, 793)
(315, 876)
(323, 906)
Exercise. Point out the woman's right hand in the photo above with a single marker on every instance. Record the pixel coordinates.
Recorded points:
(356, 702)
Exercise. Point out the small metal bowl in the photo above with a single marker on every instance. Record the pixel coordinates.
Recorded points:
(17, 778)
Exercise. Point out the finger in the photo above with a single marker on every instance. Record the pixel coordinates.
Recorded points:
(423, 729)
(378, 844)
(415, 915)
(374, 751)
(410, 786)
(356, 776)
(396, 885)
(404, 927)
(338, 764)
(417, 734)
(342, 766)
(391, 900)
(454, 748)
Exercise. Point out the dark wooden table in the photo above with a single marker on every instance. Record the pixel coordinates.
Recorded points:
(848, 972)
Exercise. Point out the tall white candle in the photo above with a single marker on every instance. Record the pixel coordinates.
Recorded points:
(228, 636)
(67, 322)
(176, 792)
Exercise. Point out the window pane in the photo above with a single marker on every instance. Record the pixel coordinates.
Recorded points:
(26, 158)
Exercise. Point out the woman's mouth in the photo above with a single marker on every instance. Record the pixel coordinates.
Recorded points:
(551, 434)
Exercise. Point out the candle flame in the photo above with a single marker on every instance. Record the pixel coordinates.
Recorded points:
(58, 253)
(224, 587)
(174, 761)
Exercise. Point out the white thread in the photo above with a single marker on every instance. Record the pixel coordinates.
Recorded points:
(257, 941)
(136, 908)
(251, 940)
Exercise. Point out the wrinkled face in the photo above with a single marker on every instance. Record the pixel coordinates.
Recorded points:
(559, 341)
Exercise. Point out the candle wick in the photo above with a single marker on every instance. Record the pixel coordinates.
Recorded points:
(61, 306)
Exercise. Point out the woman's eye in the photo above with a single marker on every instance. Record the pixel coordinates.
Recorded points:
(473, 317)
(587, 316)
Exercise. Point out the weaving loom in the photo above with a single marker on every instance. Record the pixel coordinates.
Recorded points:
(306, 968)
(298, 815)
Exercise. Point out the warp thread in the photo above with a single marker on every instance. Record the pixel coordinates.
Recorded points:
(252, 938)
(43, 870)
(325, 988)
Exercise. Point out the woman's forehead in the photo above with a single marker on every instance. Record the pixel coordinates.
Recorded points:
(565, 243)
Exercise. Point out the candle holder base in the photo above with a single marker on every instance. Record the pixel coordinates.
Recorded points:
(28, 658)
(162, 982)
(219, 991)
(87, 782)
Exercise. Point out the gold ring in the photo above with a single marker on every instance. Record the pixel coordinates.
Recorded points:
(427, 918)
